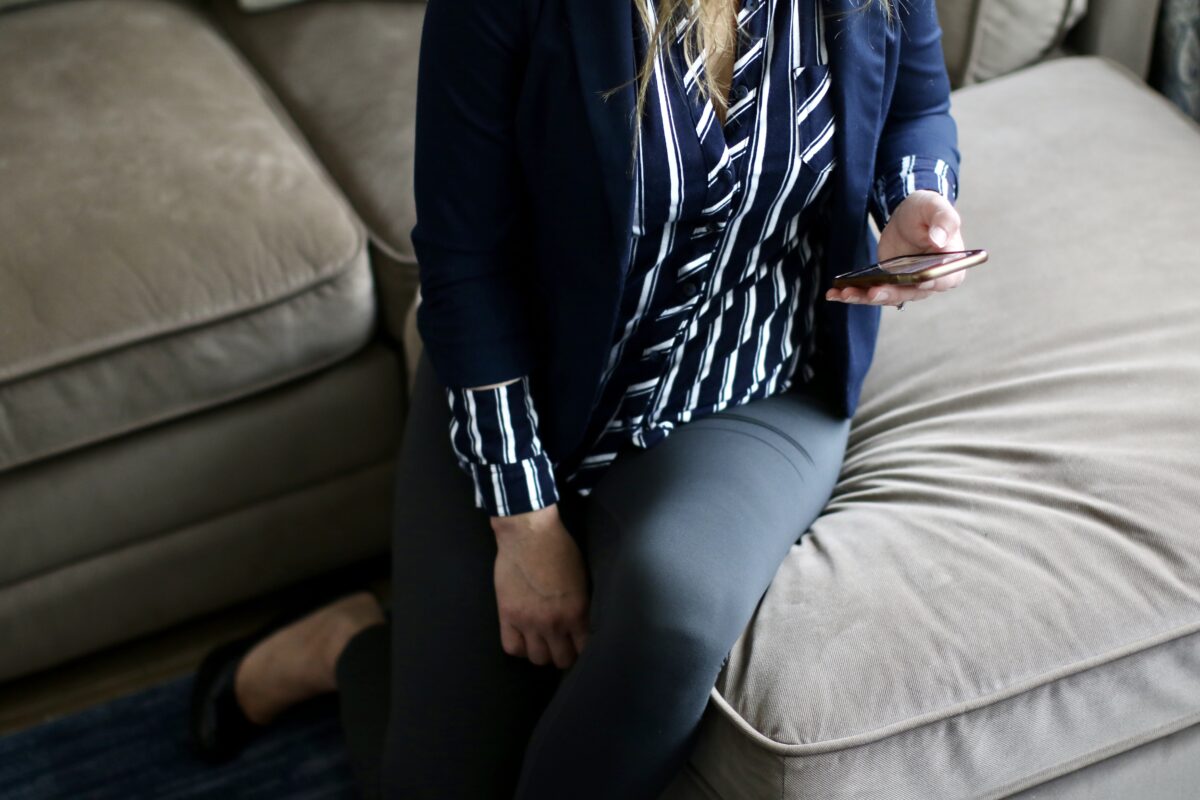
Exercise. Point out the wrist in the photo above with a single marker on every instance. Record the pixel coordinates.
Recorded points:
(911, 174)
(514, 527)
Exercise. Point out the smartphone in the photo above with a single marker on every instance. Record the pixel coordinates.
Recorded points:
(911, 269)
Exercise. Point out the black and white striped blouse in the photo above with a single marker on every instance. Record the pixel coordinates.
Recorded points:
(729, 226)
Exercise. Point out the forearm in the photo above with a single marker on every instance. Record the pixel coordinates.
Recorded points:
(918, 148)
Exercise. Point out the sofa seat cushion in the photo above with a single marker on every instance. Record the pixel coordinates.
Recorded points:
(166, 242)
(1005, 585)
(347, 73)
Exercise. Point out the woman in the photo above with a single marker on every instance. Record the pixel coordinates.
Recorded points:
(647, 381)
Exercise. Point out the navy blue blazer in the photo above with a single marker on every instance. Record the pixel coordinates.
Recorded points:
(524, 188)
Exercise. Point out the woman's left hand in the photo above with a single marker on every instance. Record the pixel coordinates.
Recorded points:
(925, 222)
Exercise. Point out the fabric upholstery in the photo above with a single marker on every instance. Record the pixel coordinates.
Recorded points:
(135, 534)
(256, 453)
(1165, 769)
(1007, 579)
(10, 4)
(166, 245)
(346, 71)
(189, 571)
(957, 18)
(1120, 30)
(986, 38)
(264, 5)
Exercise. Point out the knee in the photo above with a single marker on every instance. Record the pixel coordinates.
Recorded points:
(673, 621)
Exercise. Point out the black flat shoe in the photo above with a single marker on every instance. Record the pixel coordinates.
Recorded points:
(218, 728)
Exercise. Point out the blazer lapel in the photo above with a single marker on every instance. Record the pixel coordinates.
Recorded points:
(601, 35)
(857, 41)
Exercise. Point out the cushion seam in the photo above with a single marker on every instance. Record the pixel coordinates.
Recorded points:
(928, 718)
(183, 526)
(1095, 756)
(105, 348)
(406, 260)
(176, 412)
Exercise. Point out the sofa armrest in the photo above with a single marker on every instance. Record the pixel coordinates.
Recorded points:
(1119, 30)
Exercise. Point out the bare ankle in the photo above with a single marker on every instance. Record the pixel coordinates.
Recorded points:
(299, 661)
(349, 617)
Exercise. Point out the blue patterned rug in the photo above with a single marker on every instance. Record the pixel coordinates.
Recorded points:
(136, 747)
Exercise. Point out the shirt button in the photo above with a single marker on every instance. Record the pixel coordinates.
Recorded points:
(741, 91)
(726, 176)
(689, 289)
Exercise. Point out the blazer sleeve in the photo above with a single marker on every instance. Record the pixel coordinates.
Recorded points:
(918, 148)
(473, 316)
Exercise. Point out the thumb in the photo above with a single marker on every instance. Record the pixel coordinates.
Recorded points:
(941, 219)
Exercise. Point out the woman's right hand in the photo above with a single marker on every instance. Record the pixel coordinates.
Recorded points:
(541, 588)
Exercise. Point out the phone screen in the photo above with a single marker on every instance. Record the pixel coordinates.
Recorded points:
(906, 265)
(912, 268)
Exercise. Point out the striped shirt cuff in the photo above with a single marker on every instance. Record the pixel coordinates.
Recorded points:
(913, 173)
(494, 436)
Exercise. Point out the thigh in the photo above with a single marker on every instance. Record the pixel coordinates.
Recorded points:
(693, 530)
(461, 708)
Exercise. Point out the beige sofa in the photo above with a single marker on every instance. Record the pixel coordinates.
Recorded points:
(1005, 587)
(206, 289)
(195, 406)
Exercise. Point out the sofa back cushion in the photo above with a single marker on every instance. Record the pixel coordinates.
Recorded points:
(986, 38)
(167, 244)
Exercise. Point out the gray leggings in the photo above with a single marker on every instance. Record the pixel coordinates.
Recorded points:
(680, 541)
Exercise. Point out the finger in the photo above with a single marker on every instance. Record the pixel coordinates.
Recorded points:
(579, 639)
(921, 294)
(537, 650)
(894, 295)
(956, 241)
(951, 281)
(562, 650)
(886, 294)
(848, 295)
(512, 640)
(903, 294)
(942, 284)
(942, 220)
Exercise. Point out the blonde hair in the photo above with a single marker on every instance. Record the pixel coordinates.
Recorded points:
(711, 34)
